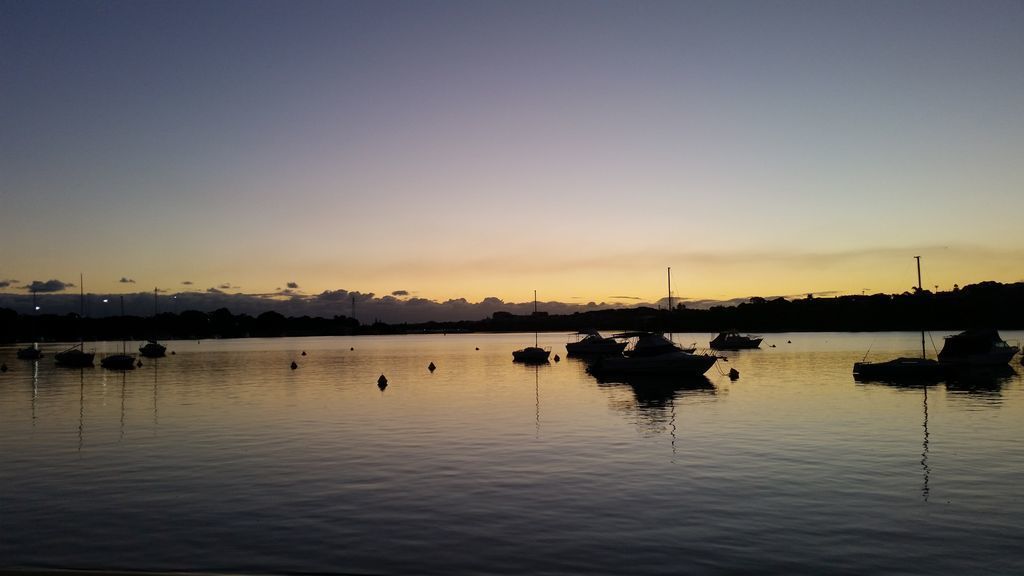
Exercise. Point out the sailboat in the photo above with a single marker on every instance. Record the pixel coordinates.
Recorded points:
(76, 356)
(124, 360)
(532, 354)
(922, 368)
(31, 352)
(152, 348)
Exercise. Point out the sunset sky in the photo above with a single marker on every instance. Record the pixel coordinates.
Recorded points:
(486, 149)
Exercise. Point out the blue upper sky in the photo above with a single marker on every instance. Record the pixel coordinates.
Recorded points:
(474, 149)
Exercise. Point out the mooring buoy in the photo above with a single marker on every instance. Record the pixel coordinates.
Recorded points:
(294, 365)
(733, 374)
(431, 367)
(382, 382)
(557, 358)
(303, 352)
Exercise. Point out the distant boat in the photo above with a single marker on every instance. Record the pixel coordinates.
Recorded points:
(902, 369)
(591, 343)
(76, 356)
(976, 348)
(124, 360)
(30, 352)
(652, 354)
(532, 354)
(152, 348)
(734, 341)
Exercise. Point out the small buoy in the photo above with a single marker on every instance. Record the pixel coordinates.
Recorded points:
(294, 365)
(172, 352)
(557, 359)
(303, 352)
(352, 348)
(431, 367)
(3, 367)
(477, 347)
(139, 364)
(789, 341)
(382, 382)
(733, 374)
(772, 346)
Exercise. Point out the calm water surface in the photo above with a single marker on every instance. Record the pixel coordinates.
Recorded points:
(222, 458)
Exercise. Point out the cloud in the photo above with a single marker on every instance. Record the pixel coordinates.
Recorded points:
(292, 285)
(7, 283)
(212, 290)
(228, 286)
(400, 293)
(125, 280)
(48, 286)
(187, 282)
(625, 297)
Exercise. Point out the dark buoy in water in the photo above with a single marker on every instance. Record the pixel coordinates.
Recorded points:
(431, 367)
(303, 352)
(733, 374)
(772, 346)
(3, 367)
(172, 352)
(382, 382)
(557, 358)
(789, 341)
(139, 364)
(352, 348)
(294, 365)
(477, 347)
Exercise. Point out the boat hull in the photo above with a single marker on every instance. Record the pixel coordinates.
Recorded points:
(674, 364)
(153, 350)
(118, 362)
(74, 358)
(531, 355)
(900, 369)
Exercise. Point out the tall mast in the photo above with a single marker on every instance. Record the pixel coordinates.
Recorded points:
(669, 288)
(81, 310)
(920, 291)
(535, 337)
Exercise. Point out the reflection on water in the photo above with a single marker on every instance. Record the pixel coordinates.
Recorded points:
(222, 457)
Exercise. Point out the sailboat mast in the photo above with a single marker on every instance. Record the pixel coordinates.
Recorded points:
(535, 337)
(920, 291)
(81, 310)
(669, 288)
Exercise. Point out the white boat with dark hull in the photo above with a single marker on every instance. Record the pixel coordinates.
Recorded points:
(976, 348)
(591, 343)
(652, 354)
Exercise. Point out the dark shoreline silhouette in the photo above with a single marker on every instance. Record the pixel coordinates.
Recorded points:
(987, 304)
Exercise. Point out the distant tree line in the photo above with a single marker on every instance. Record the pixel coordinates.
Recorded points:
(987, 304)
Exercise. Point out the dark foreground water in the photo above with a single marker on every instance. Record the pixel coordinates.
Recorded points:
(221, 458)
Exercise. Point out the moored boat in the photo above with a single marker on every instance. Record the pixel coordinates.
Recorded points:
(904, 369)
(979, 347)
(30, 353)
(153, 349)
(652, 354)
(591, 343)
(735, 341)
(118, 362)
(899, 369)
(74, 357)
(532, 354)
